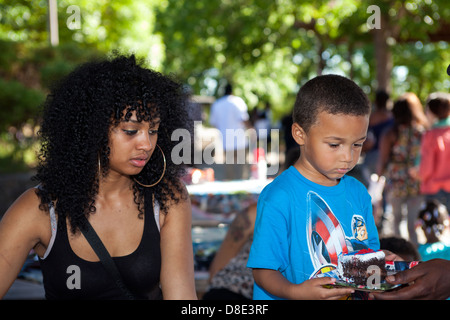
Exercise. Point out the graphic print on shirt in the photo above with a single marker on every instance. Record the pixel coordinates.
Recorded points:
(325, 236)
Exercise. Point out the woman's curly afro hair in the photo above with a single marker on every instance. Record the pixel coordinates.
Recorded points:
(77, 118)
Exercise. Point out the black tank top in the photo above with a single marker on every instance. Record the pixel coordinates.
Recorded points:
(67, 276)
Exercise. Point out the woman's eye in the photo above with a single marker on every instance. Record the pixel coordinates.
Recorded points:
(153, 132)
(130, 132)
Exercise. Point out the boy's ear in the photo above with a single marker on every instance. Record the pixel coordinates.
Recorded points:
(298, 134)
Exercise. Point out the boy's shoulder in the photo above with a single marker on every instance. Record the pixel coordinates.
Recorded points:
(282, 183)
(356, 190)
(354, 186)
(286, 178)
(290, 183)
(353, 183)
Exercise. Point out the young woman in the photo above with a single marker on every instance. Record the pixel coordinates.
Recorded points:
(398, 157)
(105, 162)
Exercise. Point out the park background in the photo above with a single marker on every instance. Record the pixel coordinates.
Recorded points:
(266, 48)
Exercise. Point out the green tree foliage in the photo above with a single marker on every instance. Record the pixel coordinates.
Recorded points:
(29, 65)
(18, 103)
(267, 48)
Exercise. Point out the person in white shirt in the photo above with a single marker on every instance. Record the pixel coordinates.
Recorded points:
(229, 114)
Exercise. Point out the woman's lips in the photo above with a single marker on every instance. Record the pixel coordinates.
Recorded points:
(139, 162)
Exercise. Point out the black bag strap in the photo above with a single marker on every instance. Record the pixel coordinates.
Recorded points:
(106, 260)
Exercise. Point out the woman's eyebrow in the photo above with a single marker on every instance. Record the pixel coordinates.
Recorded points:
(133, 121)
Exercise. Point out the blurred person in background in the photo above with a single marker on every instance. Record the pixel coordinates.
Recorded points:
(434, 221)
(399, 153)
(434, 170)
(230, 114)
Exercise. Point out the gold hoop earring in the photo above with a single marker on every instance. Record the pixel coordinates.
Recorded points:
(160, 178)
(99, 169)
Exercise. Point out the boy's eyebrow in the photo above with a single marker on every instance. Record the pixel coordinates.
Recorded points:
(342, 139)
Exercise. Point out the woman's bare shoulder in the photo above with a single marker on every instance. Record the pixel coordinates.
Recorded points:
(28, 202)
(26, 212)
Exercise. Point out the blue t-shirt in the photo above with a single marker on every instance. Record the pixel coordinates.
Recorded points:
(302, 227)
(437, 250)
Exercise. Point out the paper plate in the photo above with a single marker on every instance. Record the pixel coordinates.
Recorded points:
(392, 267)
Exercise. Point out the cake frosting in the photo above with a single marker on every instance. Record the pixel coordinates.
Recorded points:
(363, 255)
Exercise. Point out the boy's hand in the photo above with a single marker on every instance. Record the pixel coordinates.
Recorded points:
(275, 283)
(317, 289)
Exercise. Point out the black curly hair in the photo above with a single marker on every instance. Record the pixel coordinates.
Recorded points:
(433, 216)
(76, 121)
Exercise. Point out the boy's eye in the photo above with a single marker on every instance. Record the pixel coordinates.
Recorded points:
(333, 145)
(358, 145)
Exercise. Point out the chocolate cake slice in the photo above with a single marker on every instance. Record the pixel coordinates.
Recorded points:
(356, 267)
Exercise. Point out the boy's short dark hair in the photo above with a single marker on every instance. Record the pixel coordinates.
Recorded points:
(402, 247)
(330, 93)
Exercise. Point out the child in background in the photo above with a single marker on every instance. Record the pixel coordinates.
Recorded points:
(313, 212)
(401, 247)
(434, 220)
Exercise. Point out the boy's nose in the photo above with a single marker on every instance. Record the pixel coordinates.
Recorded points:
(347, 156)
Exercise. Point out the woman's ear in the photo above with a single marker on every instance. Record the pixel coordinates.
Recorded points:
(298, 134)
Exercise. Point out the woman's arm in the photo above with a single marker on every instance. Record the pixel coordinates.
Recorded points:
(177, 257)
(21, 229)
(241, 229)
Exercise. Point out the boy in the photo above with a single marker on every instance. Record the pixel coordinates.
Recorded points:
(312, 212)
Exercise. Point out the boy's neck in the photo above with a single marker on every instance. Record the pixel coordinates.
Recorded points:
(312, 175)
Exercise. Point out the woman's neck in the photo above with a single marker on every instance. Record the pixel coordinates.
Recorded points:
(113, 186)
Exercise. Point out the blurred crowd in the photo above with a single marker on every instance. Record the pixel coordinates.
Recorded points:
(409, 145)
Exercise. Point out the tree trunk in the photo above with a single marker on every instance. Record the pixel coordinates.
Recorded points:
(383, 56)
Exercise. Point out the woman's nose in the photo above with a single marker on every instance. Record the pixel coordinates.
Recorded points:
(145, 143)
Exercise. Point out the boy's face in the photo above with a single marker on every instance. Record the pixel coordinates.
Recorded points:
(332, 146)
